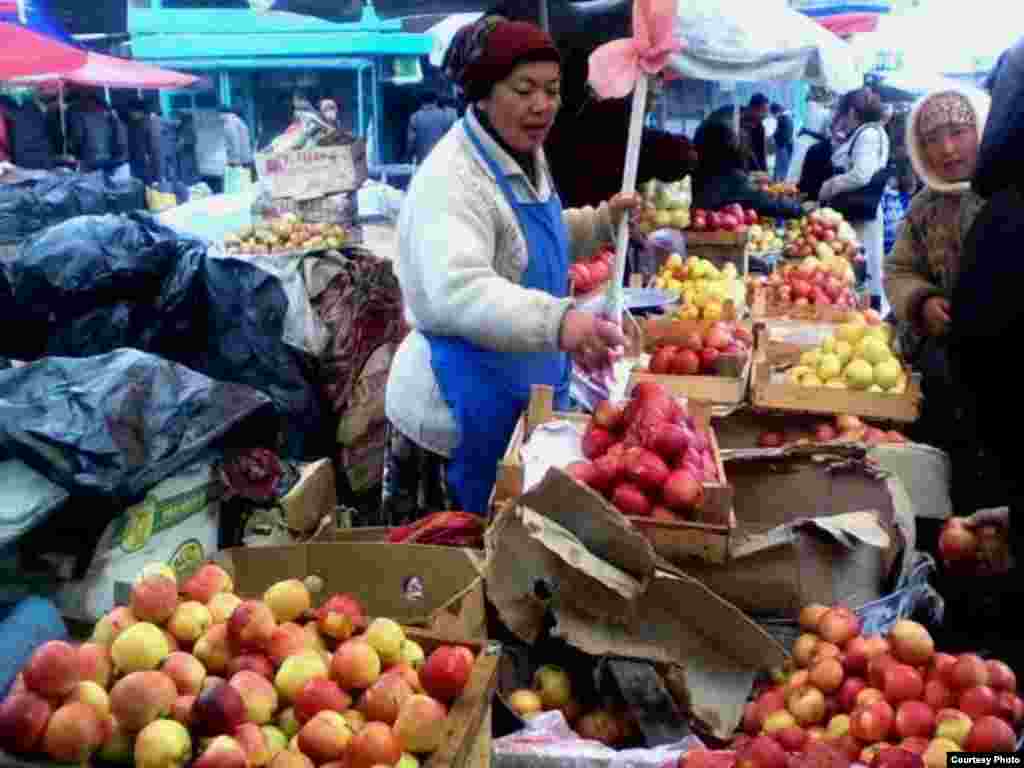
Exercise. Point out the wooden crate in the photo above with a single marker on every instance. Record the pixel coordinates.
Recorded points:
(468, 714)
(727, 388)
(676, 541)
(762, 308)
(720, 248)
(774, 395)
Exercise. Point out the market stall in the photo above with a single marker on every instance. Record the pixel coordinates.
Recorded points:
(714, 565)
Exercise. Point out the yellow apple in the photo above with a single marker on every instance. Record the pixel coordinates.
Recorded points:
(859, 374)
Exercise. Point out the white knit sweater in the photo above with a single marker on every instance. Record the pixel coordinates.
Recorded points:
(461, 257)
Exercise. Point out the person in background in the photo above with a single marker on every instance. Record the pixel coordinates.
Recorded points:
(858, 160)
(783, 139)
(719, 179)
(752, 125)
(814, 131)
(986, 311)
(426, 127)
(143, 133)
(237, 139)
(28, 136)
(943, 135)
(484, 247)
(329, 112)
(96, 135)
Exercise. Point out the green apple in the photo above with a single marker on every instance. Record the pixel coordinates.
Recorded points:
(859, 374)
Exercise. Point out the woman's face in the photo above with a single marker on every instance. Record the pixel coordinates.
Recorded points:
(522, 107)
(330, 112)
(952, 151)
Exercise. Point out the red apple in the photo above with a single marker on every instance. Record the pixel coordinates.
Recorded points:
(979, 701)
(446, 672)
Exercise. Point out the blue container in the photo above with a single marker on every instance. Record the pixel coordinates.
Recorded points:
(29, 624)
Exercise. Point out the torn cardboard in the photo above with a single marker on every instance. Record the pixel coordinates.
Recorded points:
(813, 527)
(620, 603)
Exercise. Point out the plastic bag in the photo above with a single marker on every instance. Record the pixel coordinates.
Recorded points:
(95, 284)
(547, 741)
(117, 424)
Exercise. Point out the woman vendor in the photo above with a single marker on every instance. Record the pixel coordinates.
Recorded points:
(943, 135)
(484, 248)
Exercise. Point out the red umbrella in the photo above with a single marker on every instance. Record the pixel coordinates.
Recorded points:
(114, 72)
(845, 24)
(26, 53)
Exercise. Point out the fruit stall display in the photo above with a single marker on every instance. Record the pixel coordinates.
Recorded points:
(285, 234)
(779, 189)
(729, 218)
(823, 227)
(842, 428)
(705, 290)
(667, 205)
(198, 675)
(707, 361)
(764, 239)
(592, 274)
(653, 456)
(814, 289)
(854, 370)
(885, 701)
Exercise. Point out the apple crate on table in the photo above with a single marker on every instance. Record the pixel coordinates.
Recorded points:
(684, 509)
(705, 361)
(853, 377)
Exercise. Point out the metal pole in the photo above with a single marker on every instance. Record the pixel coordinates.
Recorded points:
(543, 15)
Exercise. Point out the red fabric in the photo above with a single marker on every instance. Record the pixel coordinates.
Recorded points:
(844, 24)
(25, 53)
(509, 44)
(115, 72)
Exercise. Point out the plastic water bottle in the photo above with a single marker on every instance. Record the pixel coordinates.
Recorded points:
(31, 622)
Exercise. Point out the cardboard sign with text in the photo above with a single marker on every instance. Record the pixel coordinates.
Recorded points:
(306, 174)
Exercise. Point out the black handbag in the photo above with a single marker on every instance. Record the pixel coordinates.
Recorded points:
(861, 204)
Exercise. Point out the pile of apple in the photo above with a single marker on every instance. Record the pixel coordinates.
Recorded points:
(203, 674)
(864, 696)
(822, 282)
(591, 274)
(843, 428)
(968, 550)
(824, 227)
(699, 353)
(552, 690)
(648, 456)
(763, 238)
(704, 288)
(731, 218)
(667, 204)
(858, 356)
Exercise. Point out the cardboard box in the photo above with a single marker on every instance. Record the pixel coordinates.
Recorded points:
(675, 541)
(769, 392)
(814, 525)
(440, 588)
(610, 594)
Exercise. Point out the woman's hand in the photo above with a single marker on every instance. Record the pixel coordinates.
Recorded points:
(999, 518)
(936, 317)
(594, 343)
(620, 204)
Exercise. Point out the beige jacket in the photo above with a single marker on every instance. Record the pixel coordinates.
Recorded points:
(461, 257)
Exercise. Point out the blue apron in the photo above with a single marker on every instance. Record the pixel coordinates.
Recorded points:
(487, 390)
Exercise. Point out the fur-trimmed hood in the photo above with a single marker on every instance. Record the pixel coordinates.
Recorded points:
(979, 101)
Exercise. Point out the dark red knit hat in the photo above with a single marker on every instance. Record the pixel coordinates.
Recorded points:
(509, 44)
